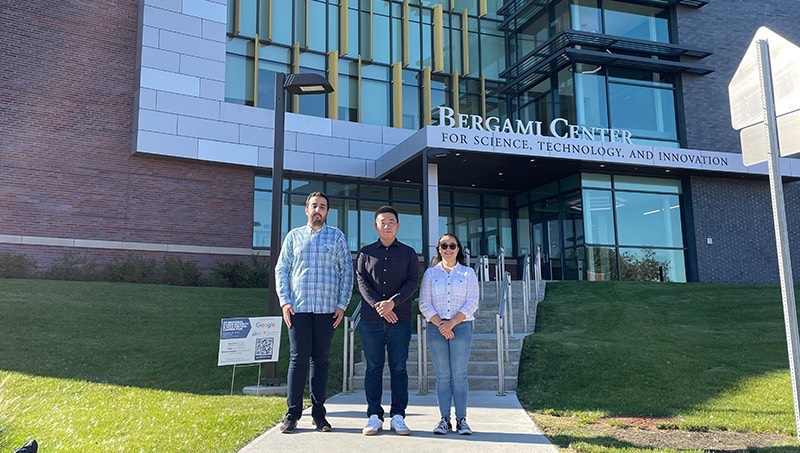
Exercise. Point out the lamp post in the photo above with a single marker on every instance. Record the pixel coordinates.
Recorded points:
(300, 84)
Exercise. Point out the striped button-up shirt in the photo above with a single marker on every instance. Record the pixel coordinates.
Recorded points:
(447, 293)
(315, 271)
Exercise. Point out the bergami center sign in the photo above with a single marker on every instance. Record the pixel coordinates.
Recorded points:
(448, 118)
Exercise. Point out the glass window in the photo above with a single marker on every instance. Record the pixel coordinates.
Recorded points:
(305, 187)
(368, 234)
(649, 219)
(407, 194)
(381, 41)
(523, 231)
(646, 112)
(282, 25)
(493, 58)
(352, 31)
(266, 73)
(601, 263)
(596, 180)
(316, 35)
(467, 198)
(662, 185)
(263, 182)
(547, 190)
(262, 218)
(636, 21)
(344, 216)
(445, 225)
(239, 78)
(414, 35)
(342, 189)
(248, 19)
(496, 201)
(646, 264)
(411, 107)
(598, 217)
(468, 227)
(376, 110)
(410, 232)
(297, 211)
(590, 96)
(375, 193)
(566, 98)
(586, 16)
(299, 22)
(573, 219)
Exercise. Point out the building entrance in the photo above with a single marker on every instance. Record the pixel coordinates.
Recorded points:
(547, 239)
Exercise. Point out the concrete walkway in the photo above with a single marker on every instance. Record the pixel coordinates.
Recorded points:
(499, 423)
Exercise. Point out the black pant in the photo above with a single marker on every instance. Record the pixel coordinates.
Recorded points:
(309, 338)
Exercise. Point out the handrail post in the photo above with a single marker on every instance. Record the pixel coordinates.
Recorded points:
(425, 357)
(510, 302)
(501, 378)
(345, 351)
(420, 320)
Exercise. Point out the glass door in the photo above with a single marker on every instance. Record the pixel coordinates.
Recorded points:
(547, 238)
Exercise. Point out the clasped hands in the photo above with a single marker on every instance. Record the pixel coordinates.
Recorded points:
(446, 329)
(385, 309)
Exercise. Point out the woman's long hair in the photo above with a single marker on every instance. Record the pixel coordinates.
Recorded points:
(459, 257)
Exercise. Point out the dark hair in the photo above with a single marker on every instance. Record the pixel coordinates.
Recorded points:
(384, 210)
(318, 194)
(459, 256)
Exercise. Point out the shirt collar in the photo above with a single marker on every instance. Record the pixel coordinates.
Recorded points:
(310, 230)
(379, 244)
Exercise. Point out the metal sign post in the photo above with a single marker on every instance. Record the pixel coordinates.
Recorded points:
(759, 119)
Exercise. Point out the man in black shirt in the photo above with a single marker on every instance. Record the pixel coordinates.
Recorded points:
(387, 273)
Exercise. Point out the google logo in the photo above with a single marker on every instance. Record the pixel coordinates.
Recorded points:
(267, 325)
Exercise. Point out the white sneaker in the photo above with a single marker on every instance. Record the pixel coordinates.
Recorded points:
(374, 426)
(399, 425)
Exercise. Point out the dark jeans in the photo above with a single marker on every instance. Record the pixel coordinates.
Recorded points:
(309, 339)
(380, 339)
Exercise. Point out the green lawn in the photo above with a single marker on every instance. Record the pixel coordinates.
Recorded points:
(709, 356)
(90, 366)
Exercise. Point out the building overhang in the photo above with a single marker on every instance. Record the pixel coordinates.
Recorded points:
(508, 161)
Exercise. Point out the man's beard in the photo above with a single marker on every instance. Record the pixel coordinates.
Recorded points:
(317, 220)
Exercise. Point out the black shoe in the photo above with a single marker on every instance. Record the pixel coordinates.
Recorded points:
(30, 447)
(321, 424)
(288, 424)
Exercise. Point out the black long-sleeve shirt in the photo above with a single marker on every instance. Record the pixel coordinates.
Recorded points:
(387, 273)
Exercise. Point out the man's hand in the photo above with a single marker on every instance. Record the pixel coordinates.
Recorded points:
(385, 310)
(338, 315)
(288, 311)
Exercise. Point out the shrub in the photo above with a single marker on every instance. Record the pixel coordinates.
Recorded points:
(132, 269)
(72, 266)
(16, 266)
(175, 271)
(238, 274)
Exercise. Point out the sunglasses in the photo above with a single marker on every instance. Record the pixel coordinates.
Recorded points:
(445, 245)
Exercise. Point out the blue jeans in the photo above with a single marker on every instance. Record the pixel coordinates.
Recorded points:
(309, 339)
(381, 339)
(451, 360)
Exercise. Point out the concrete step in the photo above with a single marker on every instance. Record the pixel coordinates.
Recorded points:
(475, 383)
(480, 341)
(476, 368)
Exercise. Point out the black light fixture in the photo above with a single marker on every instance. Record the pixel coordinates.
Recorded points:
(300, 84)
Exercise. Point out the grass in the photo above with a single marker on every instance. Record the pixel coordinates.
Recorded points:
(712, 357)
(88, 366)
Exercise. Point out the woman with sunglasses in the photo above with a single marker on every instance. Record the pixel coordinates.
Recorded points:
(448, 298)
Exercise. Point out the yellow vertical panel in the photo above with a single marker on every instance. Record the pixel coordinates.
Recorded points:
(438, 39)
(305, 43)
(456, 97)
(405, 33)
(270, 21)
(483, 96)
(237, 17)
(452, 5)
(343, 24)
(296, 70)
(465, 42)
(358, 89)
(256, 45)
(426, 96)
(397, 95)
(483, 8)
(333, 79)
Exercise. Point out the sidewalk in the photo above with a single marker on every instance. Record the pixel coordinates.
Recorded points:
(499, 423)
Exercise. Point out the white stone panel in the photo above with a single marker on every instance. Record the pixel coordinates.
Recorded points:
(243, 114)
(394, 135)
(259, 136)
(308, 124)
(231, 153)
(187, 105)
(172, 5)
(201, 67)
(212, 89)
(150, 120)
(206, 10)
(166, 144)
(265, 157)
(357, 131)
(174, 21)
(293, 160)
(208, 129)
(366, 150)
(147, 99)
(335, 165)
(170, 82)
(214, 31)
(322, 145)
(191, 45)
(160, 59)
(149, 36)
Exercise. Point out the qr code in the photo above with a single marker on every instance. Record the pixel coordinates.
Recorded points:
(264, 348)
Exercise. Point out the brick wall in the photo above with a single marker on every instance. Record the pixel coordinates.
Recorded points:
(726, 28)
(67, 79)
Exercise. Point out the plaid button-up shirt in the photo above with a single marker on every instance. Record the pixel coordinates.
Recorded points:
(314, 271)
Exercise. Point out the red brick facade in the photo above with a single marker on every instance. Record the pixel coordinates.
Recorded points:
(67, 78)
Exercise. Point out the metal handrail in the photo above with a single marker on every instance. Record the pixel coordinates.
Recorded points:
(422, 355)
(467, 256)
(526, 290)
(502, 325)
(537, 273)
(348, 353)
